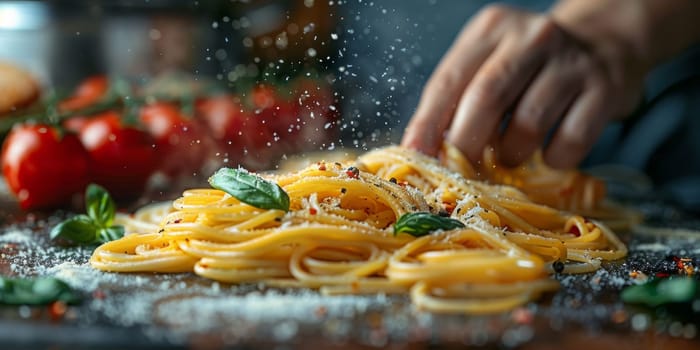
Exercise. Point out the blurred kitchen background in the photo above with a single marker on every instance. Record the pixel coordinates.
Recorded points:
(378, 54)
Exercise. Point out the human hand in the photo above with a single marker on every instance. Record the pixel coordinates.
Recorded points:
(511, 61)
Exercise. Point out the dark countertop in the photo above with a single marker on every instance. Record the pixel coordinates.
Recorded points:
(183, 310)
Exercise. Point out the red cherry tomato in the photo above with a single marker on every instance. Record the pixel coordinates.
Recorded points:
(87, 93)
(227, 122)
(181, 144)
(122, 158)
(223, 114)
(263, 96)
(75, 124)
(315, 96)
(317, 112)
(274, 111)
(274, 127)
(43, 168)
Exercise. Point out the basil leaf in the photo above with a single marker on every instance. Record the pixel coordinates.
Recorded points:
(5, 285)
(100, 206)
(79, 229)
(423, 223)
(43, 290)
(50, 289)
(662, 291)
(94, 227)
(250, 189)
(110, 233)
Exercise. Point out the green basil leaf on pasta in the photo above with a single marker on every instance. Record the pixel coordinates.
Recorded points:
(100, 206)
(250, 189)
(78, 229)
(423, 223)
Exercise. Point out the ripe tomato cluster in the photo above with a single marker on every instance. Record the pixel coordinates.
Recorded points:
(121, 147)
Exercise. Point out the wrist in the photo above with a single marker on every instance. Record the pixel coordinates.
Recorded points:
(615, 32)
(651, 31)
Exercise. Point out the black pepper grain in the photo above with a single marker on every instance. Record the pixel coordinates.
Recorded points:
(558, 266)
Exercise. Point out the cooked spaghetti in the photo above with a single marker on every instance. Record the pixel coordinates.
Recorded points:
(568, 190)
(339, 236)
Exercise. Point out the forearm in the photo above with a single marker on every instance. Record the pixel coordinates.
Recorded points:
(650, 31)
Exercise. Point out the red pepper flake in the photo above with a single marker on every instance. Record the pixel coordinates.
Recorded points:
(98, 294)
(684, 265)
(352, 172)
(321, 312)
(575, 231)
(677, 260)
(673, 265)
(522, 316)
(619, 316)
(322, 166)
(177, 221)
(680, 262)
(56, 310)
(313, 211)
(449, 207)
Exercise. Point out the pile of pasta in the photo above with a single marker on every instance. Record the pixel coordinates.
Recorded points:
(338, 236)
(569, 190)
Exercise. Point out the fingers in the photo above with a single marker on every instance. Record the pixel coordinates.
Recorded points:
(504, 59)
(538, 111)
(497, 86)
(578, 131)
(441, 94)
